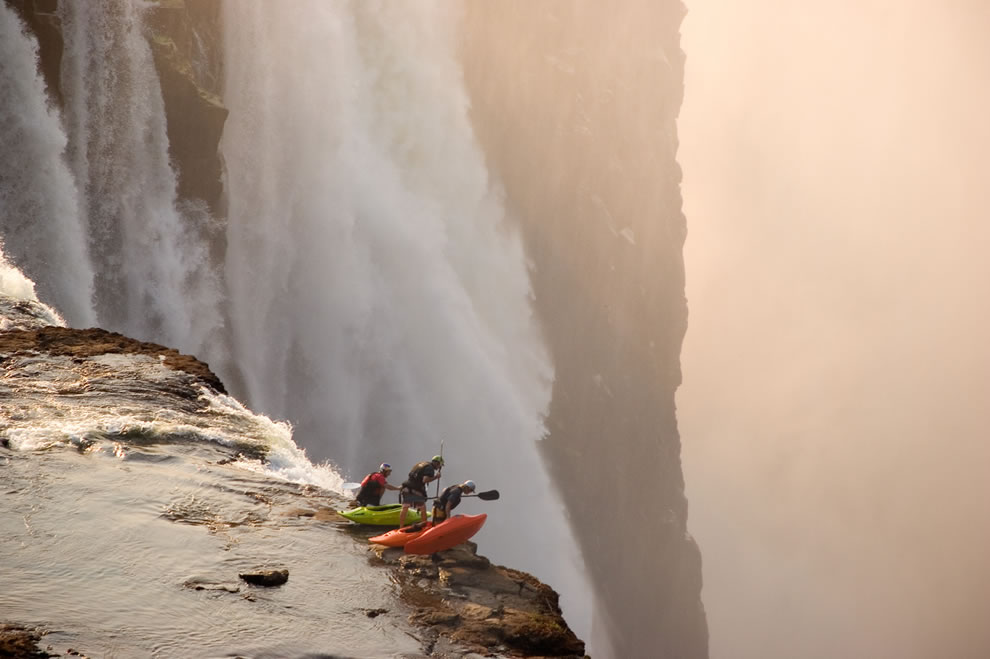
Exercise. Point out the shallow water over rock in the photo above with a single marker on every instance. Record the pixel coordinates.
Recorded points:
(137, 552)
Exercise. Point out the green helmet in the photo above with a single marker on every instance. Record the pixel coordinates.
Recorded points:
(438, 459)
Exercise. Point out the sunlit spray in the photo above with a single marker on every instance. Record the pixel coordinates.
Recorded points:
(379, 296)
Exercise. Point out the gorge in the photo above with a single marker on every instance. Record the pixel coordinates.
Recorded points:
(356, 214)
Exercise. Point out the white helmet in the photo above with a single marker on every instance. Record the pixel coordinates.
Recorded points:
(469, 485)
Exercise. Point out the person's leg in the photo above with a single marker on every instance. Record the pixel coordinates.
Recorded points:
(417, 500)
(405, 506)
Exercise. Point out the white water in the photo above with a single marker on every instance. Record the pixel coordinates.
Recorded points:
(379, 297)
(40, 219)
(14, 285)
(153, 277)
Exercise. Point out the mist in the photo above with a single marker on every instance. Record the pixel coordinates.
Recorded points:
(836, 368)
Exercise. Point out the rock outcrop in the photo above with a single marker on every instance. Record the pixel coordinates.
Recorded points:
(463, 599)
(266, 578)
(18, 642)
(80, 344)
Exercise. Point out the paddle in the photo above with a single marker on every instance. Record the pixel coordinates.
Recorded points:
(489, 495)
(441, 467)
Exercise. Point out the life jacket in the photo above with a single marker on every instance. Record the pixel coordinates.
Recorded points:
(445, 496)
(440, 505)
(420, 471)
(370, 489)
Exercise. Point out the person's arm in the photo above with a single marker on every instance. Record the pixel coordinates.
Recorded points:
(389, 486)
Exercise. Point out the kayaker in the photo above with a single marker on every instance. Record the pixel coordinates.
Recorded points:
(374, 485)
(449, 500)
(413, 492)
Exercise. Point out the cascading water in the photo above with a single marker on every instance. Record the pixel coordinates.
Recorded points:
(40, 218)
(379, 298)
(153, 276)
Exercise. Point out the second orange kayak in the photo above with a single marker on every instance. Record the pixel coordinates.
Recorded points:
(399, 537)
(445, 535)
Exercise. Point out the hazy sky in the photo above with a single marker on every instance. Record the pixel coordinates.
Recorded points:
(837, 367)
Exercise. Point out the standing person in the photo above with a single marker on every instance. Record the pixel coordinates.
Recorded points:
(374, 485)
(449, 500)
(413, 492)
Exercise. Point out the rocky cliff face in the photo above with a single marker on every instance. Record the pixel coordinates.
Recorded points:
(187, 46)
(42, 19)
(576, 105)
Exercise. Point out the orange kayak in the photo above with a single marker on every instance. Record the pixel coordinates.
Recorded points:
(446, 534)
(399, 537)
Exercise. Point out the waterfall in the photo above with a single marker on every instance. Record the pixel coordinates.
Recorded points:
(153, 277)
(379, 296)
(41, 224)
(369, 264)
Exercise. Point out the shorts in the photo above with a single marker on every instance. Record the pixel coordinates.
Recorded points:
(411, 496)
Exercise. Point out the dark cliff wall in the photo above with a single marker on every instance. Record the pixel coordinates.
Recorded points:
(41, 19)
(185, 41)
(576, 106)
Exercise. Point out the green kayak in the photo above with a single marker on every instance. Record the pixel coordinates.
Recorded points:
(387, 515)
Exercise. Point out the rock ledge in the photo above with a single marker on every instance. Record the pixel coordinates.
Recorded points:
(460, 598)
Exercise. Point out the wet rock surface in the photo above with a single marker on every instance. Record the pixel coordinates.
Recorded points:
(464, 601)
(267, 578)
(17, 641)
(81, 344)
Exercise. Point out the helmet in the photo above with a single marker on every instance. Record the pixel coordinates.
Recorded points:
(438, 459)
(383, 467)
(469, 485)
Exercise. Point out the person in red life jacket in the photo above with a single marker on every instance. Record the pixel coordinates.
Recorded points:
(413, 492)
(449, 500)
(374, 485)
